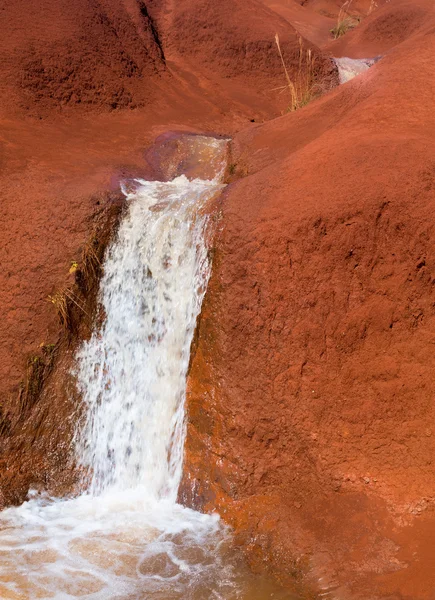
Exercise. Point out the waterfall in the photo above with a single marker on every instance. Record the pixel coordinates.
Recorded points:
(126, 536)
(132, 373)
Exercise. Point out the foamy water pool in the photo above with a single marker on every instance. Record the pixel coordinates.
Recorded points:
(119, 547)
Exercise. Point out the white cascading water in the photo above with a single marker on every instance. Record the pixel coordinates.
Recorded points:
(126, 537)
(132, 373)
(348, 68)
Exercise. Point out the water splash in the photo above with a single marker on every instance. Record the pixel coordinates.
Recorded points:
(127, 534)
(132, 372)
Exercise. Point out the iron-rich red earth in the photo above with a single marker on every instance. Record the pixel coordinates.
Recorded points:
(311, 390)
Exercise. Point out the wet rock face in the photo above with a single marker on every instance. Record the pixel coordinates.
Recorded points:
(312, 382)
(174, 154)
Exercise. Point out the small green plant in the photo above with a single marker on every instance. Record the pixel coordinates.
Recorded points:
(302, 88)
(48, 350)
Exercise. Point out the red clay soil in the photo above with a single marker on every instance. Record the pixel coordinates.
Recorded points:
(85, 87)
(59, 54)
(311, 387)
(332, 8)
(312, 384)
(313, 26)
(384, 29)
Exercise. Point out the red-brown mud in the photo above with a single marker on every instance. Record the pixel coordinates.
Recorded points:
(311, 391)
(311, 384)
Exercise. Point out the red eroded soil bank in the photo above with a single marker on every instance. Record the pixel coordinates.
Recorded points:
(311, 385)
(85, 88)
(311, 390)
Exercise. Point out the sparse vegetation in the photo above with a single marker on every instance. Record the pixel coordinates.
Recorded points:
(344, 21)
(48, 350)
(81, 293)
(76, 299)
(63, 301)
(61, 304)
(302, 88)
(91, 263)
(39, 366)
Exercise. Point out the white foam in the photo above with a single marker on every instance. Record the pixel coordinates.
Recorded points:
(116, 546)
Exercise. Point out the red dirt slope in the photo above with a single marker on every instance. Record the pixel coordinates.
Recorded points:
(85, 87)
(311, 391)
(384, 29)
(230, 46)
(64, 53)
(332, 8)
(312, 25)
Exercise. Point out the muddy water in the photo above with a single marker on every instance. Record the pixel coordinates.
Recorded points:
(126, 537)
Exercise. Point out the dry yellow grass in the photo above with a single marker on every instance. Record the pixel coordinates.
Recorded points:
(63, 301)
(302, 87)
(344, 21)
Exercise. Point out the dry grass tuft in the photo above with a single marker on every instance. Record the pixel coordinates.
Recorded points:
(90, 268)
(64, 302)
(60, 301)
(344, 21)
(303, 87)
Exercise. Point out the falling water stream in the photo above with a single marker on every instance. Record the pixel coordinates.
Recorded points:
(126, 537)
